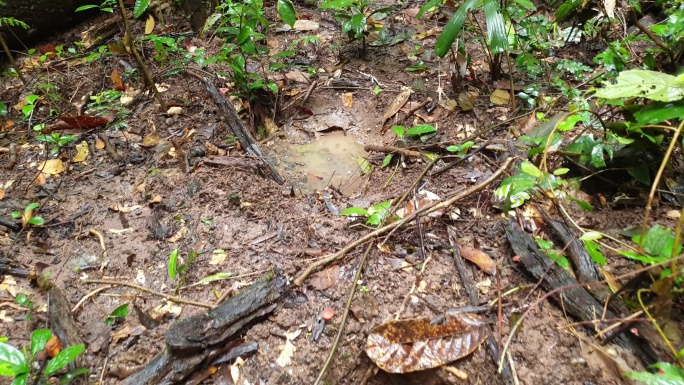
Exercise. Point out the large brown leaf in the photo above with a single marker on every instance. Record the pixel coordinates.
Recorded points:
(418, 344)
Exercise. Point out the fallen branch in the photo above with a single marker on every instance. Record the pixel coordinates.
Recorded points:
(148, 291)
(392, 150)
(424, 211)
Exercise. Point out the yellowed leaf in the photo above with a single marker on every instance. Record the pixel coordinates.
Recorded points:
(149, 25)
(270, 126)
(396, 104)
(479, 258)
(348, 100)
(99, 143)
(500, 97)
(151, 139)
(2, 194)
(467, 99)
(40, 179)
(82, 152)
(447, 104)
(217, 257)
(155, 199)
(52, 166)
(428, 33)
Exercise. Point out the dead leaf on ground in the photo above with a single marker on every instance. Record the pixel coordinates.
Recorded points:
(52, 166)
(467, 100)
(285, 357)
(500, 97)
(396, 104)
(128, 330)
(526, 125)
(448, 104)
(85, 121)
(149, 25)
(418, 344)
(117, 82)
(348, 100)
(479, 258)
(82, 152)
(124, 208)
(326, 278)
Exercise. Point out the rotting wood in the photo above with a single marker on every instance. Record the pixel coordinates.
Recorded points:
(238, 129)
(189, 342)
(574, 298)
(62, 323)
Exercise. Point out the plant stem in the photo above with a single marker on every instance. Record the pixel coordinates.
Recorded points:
(13, 64)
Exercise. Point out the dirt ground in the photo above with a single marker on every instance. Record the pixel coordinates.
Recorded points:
(238, 222)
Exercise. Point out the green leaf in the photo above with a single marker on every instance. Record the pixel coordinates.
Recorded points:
(337, 4)
(21, 379)
(3, 109)
(643, 258)
(86, 7)
(378, 213)
(561, 171)
(356, 24)
(119, 312)
(527, 4)
(668, 375)
(591, 236)
(496, 28)
(63, 358)
(644, 84)
(399, 130)
(173, 264)
(287, 12)
(656, 112)
(140, 7)
(428, 6)
(357, 211)
(421, 129)
(659, 241)
(528, 168)
(39, 339)
(641, 172)
(453, 28)
(216, 277)
(67, 378)
(594, 250)
(597, 156)
(12, 360)
(387, 160)
(570, 123)
(246, 33)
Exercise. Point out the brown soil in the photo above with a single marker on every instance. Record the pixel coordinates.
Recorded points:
(260, 224)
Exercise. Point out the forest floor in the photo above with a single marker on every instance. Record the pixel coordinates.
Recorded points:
(145, 204)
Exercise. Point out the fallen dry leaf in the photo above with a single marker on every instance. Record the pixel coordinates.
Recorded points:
(326, 278)
(52, 166)
(82, 152)
(99, 143)
(479, 258)
(285, 357)
(347, 100)
(500, 97)
(53, 347)
(467, 100)
(411, 345)
(396, 104)
(124, 209)
(117, 82)
(149, 25)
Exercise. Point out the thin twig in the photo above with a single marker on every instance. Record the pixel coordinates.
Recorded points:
(149, 291)
(424, 211)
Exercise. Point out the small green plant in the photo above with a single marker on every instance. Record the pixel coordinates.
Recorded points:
(57, 140)
(354, 15)
(18, 365)
(108, 103)
(667, 374)
(31, 102)
(376, 214)
(12, 22)
(24, 301)
(118, 314)
(107, 6)
(27, 218)
(177, 272)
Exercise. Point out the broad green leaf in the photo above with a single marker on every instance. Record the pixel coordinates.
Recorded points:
(644, 84)
(63, 358)
(655, 113)
(528, 168)
(32, 99)
(496, 28)
(32, 206)
(355, 211)
(641, 172)
(378, 213)
(39, 339)
(594, 250)
(387, 160)
(364, 164)
(337, 4)
(570, 123)
(287, 12)
(428, 6)
(246, 33)
(140, 7)
(356, 24)
(561, 171)
(659, 241)
(12, 360)
(216, 277)
(453, 28)
(119, 312)
(173, 264)
(668, 375)
(597, 156)
(399, 130)
(21, 379)
(421, 129)
(643, 258)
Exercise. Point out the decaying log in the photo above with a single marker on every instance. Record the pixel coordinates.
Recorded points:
(190, 341)
(62, 323)
(574, 298)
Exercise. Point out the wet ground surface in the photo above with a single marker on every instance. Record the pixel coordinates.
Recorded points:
(238, 222)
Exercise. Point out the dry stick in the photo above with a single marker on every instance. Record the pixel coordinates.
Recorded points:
(536, 303)
(128, 42)
(342, 324)
(424, 211)
(146, 290)
(91, 294)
